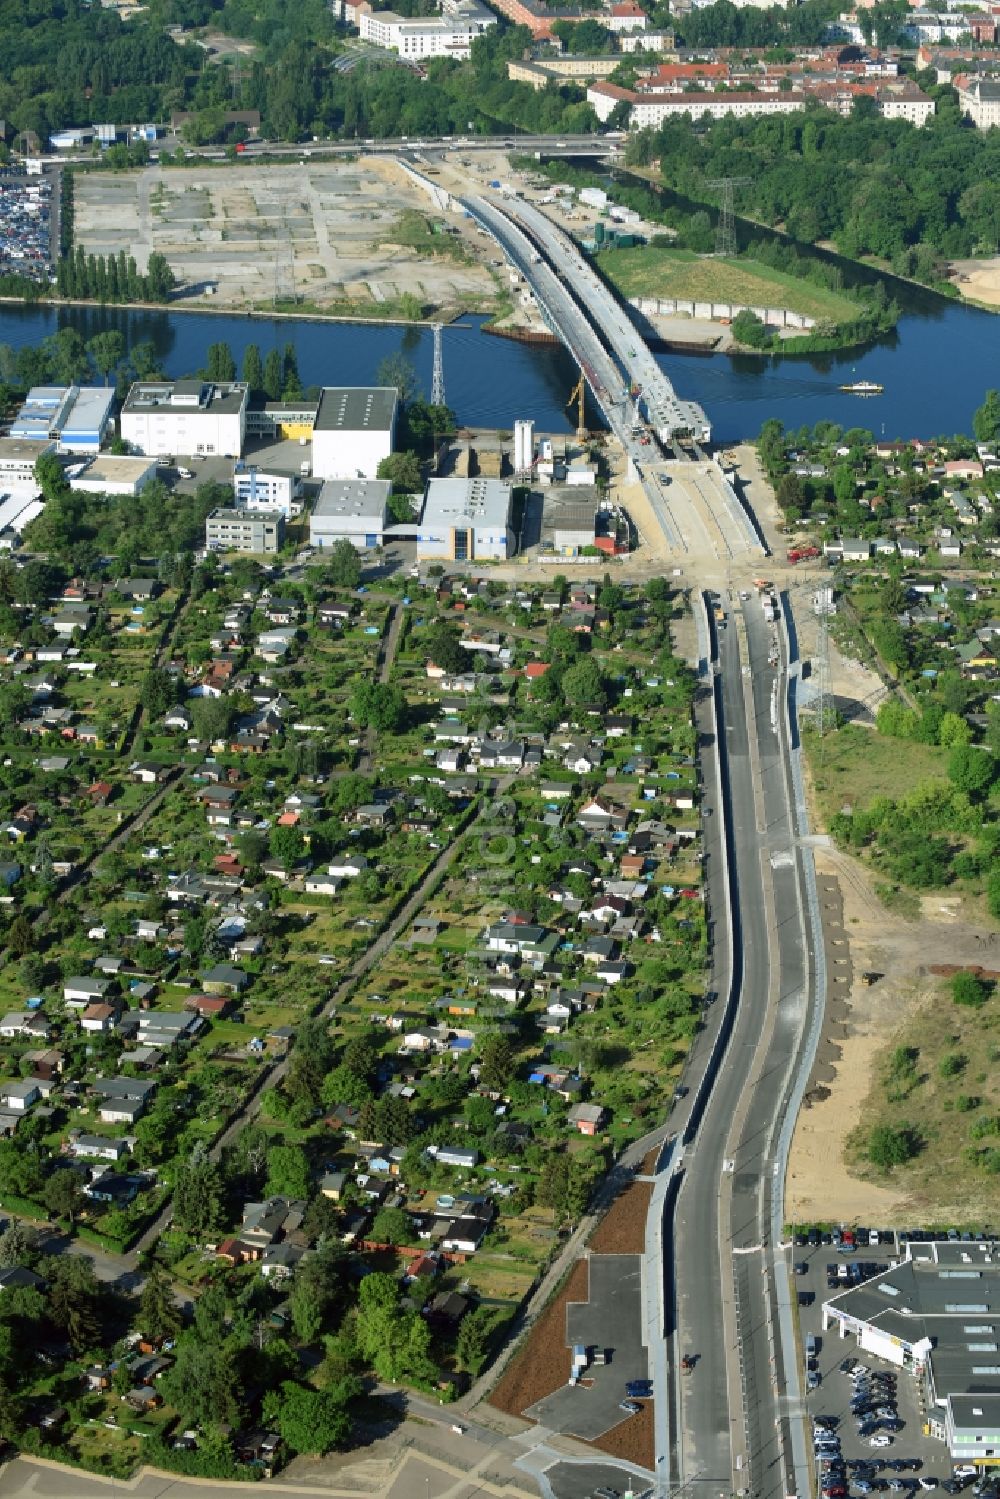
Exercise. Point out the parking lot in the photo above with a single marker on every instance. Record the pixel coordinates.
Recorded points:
(876, 1404)
(610, 1321)
(26, 222)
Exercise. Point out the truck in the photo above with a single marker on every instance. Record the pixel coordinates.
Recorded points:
(720, 614)
(801, 553)
(770, 604)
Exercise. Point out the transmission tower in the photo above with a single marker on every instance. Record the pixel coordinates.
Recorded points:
(725, 229)
(437, 379)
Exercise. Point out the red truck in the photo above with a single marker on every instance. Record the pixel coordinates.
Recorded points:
(800, 554)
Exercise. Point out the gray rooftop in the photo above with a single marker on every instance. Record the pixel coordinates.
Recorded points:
(356, 408)
(186, 395)
(466, 502)
(353, 504)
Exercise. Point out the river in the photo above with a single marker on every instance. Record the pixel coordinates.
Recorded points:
(935, 367)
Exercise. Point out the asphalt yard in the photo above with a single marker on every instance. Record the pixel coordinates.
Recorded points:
(611, 1322)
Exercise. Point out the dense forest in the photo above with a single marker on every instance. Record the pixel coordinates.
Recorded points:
(63, 63)
(873, 186)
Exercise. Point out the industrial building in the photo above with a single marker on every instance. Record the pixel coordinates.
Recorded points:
(108, 474)
(254, 490)
(936, 1315)
(76, 417)
(18, 456)
(353, 431)
(568, 520)
(355, 510)
(162, 418)
(257, 531)
(465, 520)
(284, 420)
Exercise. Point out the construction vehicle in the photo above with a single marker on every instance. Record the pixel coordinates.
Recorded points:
(802, 553)
(577, 395)
(761, 583)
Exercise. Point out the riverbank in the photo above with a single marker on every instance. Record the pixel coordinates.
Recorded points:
(299, 313)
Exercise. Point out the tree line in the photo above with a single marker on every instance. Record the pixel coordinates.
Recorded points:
(912, 197)
(113, 278)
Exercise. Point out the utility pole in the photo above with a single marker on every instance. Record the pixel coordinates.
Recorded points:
(437, 378)
(725, 230)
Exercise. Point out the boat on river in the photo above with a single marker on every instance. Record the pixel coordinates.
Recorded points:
(862, 388)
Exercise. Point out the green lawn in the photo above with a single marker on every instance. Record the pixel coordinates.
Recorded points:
(855, 765)
(649, 272)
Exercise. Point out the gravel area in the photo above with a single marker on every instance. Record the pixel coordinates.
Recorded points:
(622, 1230)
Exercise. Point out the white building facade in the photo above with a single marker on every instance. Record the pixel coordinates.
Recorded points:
(447, 35)
(162, 418)
(253, 490)
(353, 431)
(465, 520)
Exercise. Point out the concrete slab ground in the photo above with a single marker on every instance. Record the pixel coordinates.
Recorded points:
(321, 231)
(611, 1320)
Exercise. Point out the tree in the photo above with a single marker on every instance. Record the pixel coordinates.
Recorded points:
(397, 370)
(106, 350)
(16, 1245)
(198, 1195)
(496, 1061)
(160, 279)
(20, 936)
(158, 1312)
(274, 374)
(582, 683)
(748, 329)
(344, 566)
(311, 1421)
(378, 706)
(972, 770)
(287, 845)
(477, 1329)
(986, 418)
(311, 1059)
(968, 989)
(953, 731)
(74, 1299)
(253, 368)
(403, 472)
(441, 644)
(203, 1383)
(61, 1194)
(287, 1171)
(392, 1226)
(888, 1147)
(401, 509)
(220, 364)
(158, 692)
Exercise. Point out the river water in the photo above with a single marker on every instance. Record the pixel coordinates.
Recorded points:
(935, 366)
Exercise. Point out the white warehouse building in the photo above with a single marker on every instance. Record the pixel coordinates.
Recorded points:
(162, 418)
(465, 520)
(76, 416)
(354, 510)
(353, 431)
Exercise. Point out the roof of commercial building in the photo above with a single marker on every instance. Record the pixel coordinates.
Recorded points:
(108, 468)
(186, 396)
(356, 408)
(23, 449)
(62, 408)
(948, 1293)
(233, 517)
(467, 502)
(353, 504)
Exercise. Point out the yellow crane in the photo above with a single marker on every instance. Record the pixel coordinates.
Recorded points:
(577, 395)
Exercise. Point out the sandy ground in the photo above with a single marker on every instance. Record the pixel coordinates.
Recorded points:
(320, 231)
(978, 279)
(860, 1024)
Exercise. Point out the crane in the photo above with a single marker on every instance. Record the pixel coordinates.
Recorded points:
(577, 395)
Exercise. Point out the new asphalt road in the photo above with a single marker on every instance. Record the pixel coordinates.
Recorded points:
(731, 1418)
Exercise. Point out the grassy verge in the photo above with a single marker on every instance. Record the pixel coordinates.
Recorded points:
(854, 766)
(646, 271)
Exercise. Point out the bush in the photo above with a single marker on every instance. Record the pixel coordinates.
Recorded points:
(888, 1147)
(967, 989)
